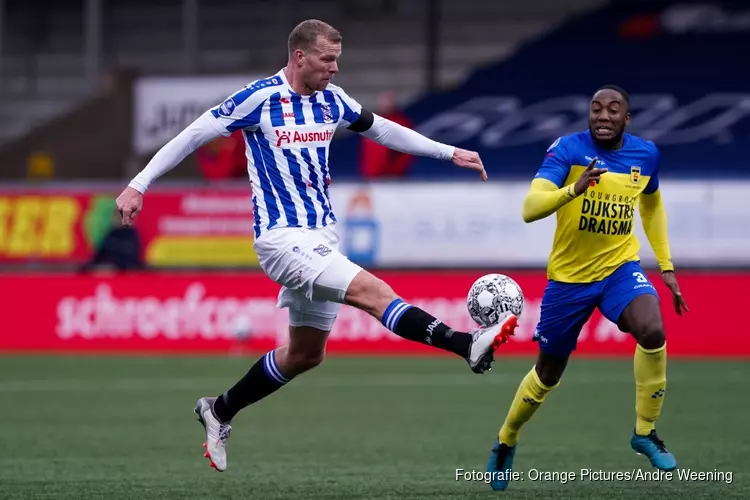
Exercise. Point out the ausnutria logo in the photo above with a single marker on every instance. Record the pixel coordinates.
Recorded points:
(282, 136)
(293, 137)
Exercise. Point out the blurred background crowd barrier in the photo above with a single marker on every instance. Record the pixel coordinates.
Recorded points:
(91, 89)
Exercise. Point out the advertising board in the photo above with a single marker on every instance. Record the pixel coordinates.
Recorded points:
(214, 313)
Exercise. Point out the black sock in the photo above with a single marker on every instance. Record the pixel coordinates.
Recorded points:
(262, 379)
(412, 323)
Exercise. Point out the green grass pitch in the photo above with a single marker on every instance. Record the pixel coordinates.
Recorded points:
(115, 428)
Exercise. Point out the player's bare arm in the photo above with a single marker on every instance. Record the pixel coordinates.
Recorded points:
(670, 280)
(654, 219)
(399, 138)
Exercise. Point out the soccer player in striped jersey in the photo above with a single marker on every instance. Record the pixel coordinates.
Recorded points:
(592, 181)
(288, 121)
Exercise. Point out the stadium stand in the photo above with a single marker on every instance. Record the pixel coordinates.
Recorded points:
(678, 60)
(45, 66)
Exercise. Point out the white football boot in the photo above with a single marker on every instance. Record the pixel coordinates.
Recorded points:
(217, 434)
(486, 340)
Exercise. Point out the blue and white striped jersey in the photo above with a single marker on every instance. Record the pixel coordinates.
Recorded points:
(287, 136)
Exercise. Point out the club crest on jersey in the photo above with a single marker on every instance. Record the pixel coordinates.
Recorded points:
(635, 174)
(327, 113)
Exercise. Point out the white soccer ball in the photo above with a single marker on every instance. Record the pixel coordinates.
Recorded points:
(491, 296)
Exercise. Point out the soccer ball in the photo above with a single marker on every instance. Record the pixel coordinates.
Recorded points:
(491, 296)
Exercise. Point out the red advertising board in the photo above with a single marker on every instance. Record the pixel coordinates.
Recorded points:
(205, 313)
(196, 227)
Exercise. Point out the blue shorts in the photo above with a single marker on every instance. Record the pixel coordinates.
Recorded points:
(566, 307)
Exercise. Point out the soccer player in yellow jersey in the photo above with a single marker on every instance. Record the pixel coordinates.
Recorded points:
(593, 181)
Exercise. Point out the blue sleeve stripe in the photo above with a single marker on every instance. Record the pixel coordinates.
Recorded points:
(244, 94)
(551, 176)
(349, 115)
(249, 120)
(652, 186)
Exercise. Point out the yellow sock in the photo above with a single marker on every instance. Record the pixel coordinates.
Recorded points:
(530, 395)
(650, 370)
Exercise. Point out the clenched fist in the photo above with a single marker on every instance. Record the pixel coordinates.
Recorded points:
(129, 204)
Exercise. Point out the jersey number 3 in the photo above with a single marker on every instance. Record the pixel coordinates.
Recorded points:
(640, 277)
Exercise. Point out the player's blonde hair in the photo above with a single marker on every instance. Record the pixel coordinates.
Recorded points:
(306, 33)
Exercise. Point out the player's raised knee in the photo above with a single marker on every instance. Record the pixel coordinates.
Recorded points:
(369, 293)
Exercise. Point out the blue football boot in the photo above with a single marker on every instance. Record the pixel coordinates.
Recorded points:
(654, 449)
(500, 465)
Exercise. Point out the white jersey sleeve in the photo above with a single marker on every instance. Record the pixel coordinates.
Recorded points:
(243, 109)
(397, 137)
(352, 109)
(195, 135)
(389, 133)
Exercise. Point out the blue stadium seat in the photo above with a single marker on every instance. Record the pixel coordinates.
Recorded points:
(679, 61)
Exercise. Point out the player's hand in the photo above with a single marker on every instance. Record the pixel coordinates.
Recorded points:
(677, 299)
(470, 160)
(588, 177)
(129, 204)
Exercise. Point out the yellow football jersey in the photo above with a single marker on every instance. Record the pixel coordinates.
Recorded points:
(595, 232)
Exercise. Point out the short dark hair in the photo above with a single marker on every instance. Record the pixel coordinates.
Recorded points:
(306, 33)
(618, 89)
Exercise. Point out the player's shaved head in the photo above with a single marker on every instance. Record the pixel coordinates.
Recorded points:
(616, 88)
(305, 35)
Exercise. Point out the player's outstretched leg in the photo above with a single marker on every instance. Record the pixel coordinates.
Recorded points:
(642, 318)
(530, 395)
(477, 347)
(270, 373)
